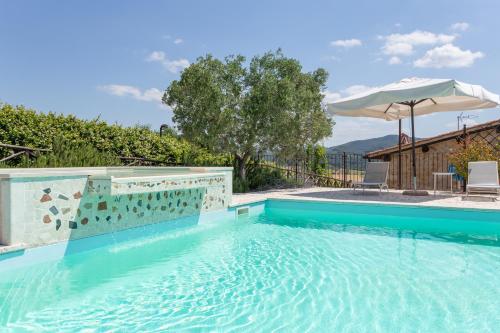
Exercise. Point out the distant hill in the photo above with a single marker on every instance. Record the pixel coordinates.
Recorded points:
(365, 146)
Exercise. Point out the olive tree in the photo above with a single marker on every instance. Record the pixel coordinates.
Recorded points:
(239, 107)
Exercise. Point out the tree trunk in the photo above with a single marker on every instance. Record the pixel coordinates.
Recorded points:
(242, 170)
(241, 165)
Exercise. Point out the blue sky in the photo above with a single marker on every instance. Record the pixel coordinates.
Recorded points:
(114, 58)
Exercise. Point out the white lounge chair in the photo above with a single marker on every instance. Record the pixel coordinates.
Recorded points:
(375, 176)
(483, 177)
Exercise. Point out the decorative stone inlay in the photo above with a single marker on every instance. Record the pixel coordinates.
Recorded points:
(103, 205)
(54, 210)
(125, 210)
(63, 197)
(45, 198)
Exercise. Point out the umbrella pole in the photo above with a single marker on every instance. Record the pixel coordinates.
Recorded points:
(414, 191)
(413, 152)
(399, 157)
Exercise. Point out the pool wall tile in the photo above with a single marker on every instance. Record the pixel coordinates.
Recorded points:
(28, 217)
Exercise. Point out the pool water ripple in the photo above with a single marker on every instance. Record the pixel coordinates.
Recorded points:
(272, 273)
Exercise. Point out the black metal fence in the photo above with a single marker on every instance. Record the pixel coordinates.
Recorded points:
(343, 169)
(336, 170)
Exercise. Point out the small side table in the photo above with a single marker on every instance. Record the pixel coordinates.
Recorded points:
(449, 174)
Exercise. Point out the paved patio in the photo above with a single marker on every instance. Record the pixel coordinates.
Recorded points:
(441, 199)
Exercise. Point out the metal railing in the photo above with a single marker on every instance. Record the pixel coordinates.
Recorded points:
(335, 170)
(16, 151)
(343, 169)
(142, 161)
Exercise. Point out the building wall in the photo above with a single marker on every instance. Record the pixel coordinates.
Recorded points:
(434, 160)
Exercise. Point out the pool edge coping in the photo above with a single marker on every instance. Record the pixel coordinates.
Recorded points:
(369, 203)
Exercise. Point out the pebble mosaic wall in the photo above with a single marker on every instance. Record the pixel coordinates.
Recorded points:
(59, 209)
(106, 209)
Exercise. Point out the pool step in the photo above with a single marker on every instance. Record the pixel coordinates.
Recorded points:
(120, 185)
(11, 248)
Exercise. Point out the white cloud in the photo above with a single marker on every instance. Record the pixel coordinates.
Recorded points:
(148, 95)
(172, 66)
(403, 44)
(346, 43)
(398, 48)
(156, 56)
(394, 60)
(460, 26)
(176, 41)
(449, 56)
(355, 89)
(330, 96)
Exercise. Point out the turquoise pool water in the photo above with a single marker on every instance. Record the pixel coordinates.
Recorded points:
(297, 267)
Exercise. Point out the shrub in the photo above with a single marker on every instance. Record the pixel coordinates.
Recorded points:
(478, 150)
(65, 154)
(316, 160)
(26, 127)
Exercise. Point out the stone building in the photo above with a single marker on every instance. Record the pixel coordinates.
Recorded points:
(432, 155)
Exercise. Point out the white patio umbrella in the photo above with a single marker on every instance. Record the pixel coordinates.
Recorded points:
(413, 97)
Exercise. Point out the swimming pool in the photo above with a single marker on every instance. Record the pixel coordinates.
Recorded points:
(288, 266)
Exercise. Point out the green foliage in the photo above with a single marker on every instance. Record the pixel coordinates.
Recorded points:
(317, 160)
(270, 104)
(478, 150)
(261, 177)
(240, 186)
(71, 155)
(25, 127)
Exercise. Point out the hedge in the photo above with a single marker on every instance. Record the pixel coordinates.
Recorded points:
(27, 127)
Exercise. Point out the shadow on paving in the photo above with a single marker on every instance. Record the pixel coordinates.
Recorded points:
(370, 195)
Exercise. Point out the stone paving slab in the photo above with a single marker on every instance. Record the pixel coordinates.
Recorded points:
(441, 199)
